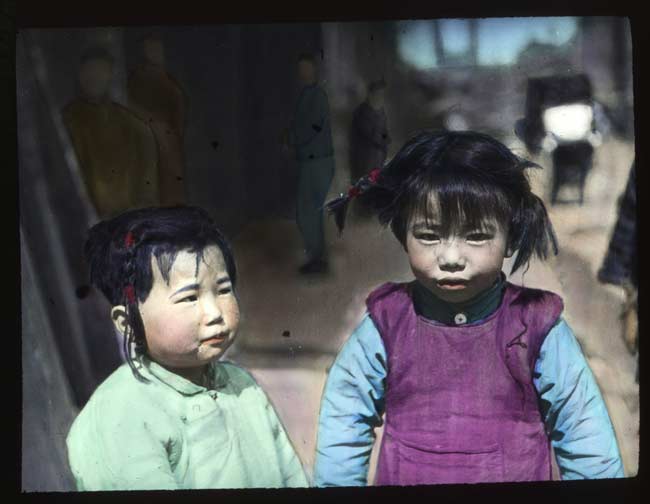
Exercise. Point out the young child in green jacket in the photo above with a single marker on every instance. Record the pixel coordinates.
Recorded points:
(174, 416)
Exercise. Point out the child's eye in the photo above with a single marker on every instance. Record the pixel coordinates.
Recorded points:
(478, 237)
(189, 299)
(225, 290)
(427, 237)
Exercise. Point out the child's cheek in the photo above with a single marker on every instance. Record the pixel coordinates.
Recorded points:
(171, 334)
(230, 309)
(422, 260)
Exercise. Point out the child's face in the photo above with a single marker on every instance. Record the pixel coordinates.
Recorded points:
(193, 319)
(457, 267)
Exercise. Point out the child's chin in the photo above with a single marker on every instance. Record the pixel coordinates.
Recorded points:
(455, 295)
(216, 352)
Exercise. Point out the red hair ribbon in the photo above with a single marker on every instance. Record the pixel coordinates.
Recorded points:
(353, 192)
(129, 239)
(129, 293)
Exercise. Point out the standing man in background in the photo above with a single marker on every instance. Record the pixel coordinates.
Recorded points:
(310, 137)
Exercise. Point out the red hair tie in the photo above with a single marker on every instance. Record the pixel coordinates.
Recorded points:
(129, 239)
(129, 293)
(353, 192)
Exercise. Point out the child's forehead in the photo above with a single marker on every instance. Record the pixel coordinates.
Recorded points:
(193, 264)
(429, 212)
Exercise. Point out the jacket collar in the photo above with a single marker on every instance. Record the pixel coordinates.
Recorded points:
(216, 375)
(479, 307)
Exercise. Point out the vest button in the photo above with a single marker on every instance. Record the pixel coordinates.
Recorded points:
(460, 318)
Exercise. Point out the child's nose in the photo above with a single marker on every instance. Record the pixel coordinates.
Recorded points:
(212, 312)
(450, 257)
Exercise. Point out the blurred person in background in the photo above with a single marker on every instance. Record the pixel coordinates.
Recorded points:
(620, 264)
(116, 151)
(369, 138)
(159, 100)
(310, 139)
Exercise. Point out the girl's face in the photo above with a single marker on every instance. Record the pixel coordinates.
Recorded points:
(193, 319)
(459, 266)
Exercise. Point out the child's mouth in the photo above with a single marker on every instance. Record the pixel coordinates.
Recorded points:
(451, 284)
(215, 340)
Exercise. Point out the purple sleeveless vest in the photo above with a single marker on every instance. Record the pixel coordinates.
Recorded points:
(461, 406)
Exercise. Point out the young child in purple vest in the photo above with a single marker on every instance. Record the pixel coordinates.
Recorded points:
(477, 377)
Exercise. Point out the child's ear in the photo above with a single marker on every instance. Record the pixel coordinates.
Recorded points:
(120, 319)
(509, 251)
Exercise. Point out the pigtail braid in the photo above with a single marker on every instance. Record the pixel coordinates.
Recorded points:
(134, 333)
(339, 206)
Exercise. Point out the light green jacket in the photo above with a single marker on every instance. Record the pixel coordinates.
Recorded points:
(173, 434)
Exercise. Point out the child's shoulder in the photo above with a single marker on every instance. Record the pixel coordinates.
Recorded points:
(121, 391)
(532, 295)
(388, 290)
(119, 396)
(234, 375)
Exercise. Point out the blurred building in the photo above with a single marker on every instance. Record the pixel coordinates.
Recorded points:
(478, 67)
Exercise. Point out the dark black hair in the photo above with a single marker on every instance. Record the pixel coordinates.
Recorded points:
(475, 178)
(96, 53)
(119, 251)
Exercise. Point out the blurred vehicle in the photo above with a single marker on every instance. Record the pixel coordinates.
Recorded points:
(562, 119)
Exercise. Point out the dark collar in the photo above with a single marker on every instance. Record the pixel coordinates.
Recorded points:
(479, 307)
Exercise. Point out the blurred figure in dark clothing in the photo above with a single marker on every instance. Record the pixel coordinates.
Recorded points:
(116, 151)
(369, 137)
(620, 264)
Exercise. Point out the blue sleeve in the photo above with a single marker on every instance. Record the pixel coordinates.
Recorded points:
(352, 406)
(573, 409)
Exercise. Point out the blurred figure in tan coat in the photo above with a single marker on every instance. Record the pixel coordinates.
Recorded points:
(116, 150)
(159, 100)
